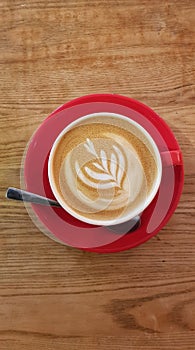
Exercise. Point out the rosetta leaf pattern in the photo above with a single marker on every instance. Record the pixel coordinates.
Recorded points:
(109, 171)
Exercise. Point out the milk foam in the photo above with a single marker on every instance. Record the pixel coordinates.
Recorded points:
(103, 171)
(115, 175)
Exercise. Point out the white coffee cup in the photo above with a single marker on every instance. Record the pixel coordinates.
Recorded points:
(130, 215)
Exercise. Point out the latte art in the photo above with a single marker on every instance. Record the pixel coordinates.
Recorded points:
(108, 173)
(103, 170)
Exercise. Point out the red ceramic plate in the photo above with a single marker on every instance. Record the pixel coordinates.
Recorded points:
(60, 225)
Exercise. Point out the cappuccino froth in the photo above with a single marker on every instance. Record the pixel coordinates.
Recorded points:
(103, 168)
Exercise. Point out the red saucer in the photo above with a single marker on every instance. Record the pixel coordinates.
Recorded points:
(70, 231)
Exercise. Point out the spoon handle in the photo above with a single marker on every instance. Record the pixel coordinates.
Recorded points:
(21, 195)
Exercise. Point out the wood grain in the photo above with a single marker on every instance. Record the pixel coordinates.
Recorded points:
(53, 297)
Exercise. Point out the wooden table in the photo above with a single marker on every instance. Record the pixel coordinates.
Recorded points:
(53, 297)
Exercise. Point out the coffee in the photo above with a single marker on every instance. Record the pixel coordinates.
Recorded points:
(103, 168)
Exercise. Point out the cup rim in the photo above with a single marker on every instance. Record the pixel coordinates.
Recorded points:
(137, 210)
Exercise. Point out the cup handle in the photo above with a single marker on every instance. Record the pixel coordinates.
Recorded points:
(171, 158)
